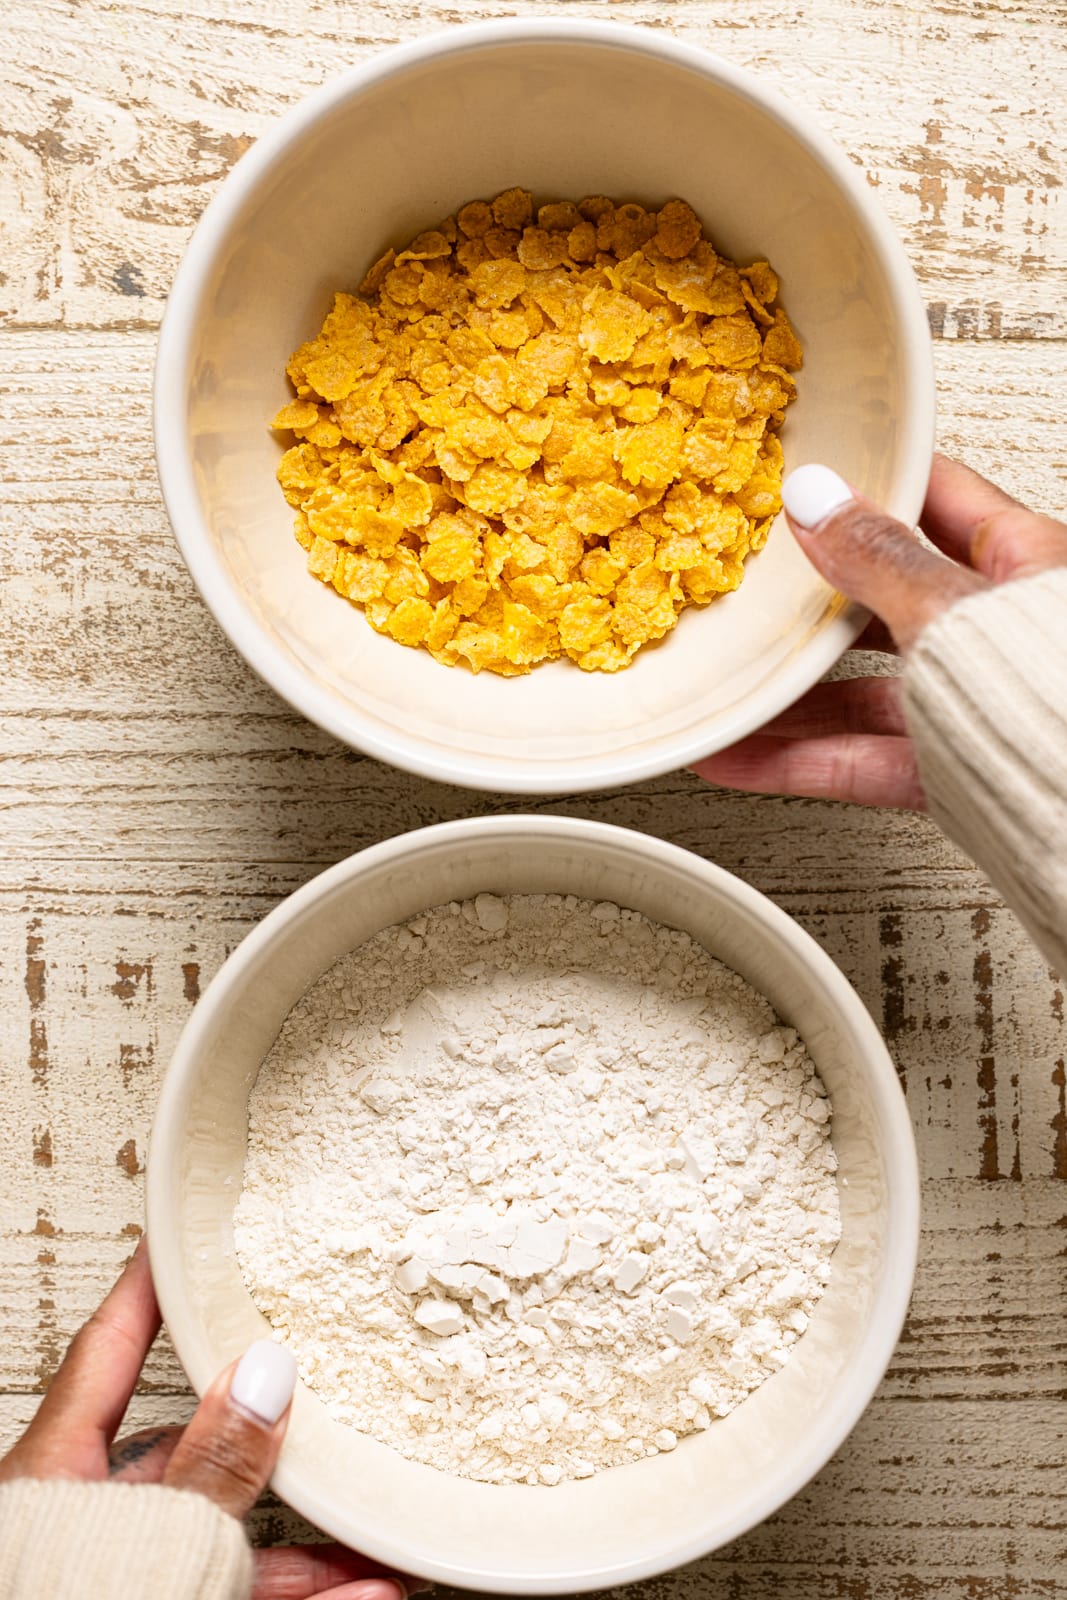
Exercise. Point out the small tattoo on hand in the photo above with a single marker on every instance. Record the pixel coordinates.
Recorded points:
(128, 1451)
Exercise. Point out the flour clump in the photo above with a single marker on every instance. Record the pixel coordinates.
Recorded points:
(534, 1187)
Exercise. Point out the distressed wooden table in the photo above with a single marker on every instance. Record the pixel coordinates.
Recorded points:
(158, 800)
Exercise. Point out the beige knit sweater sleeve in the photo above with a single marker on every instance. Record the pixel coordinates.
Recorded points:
(107, 1541)
(985, 692)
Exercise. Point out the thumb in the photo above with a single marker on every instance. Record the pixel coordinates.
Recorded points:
(230, 1445)
(869, 556)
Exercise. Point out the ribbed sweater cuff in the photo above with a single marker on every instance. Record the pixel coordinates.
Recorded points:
(59, 1539)
(985, 692)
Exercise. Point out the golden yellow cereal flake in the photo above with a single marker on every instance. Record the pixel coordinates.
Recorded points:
(541, 432)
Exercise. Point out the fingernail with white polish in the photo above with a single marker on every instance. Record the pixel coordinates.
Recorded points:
(264, 1380)
(812, 493)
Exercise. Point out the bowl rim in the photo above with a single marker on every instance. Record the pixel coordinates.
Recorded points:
(892, 1295)
(220, 592)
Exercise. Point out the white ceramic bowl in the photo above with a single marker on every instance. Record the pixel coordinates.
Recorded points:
(636, 1520)
(565, 109)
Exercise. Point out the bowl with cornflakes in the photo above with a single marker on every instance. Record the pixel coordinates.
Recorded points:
(478, 382)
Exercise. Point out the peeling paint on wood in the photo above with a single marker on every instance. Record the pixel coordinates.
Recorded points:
(120, 120)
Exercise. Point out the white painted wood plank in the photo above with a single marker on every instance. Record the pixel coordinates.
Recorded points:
(119, 122)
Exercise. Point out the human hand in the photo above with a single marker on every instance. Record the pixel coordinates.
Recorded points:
(848, 740)
(226, 1451)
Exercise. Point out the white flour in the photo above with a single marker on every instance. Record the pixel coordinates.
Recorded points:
(534, 1187)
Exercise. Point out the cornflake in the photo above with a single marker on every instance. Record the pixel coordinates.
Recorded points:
(541, 432)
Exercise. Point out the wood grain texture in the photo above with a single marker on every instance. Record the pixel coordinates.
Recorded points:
(120, 120)
(157, 799)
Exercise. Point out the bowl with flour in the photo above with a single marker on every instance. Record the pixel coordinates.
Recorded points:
(574, 1174)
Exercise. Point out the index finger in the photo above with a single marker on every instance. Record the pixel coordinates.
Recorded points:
(978, 524)
(958, 501)
(299, 1572)
(90, 1392)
